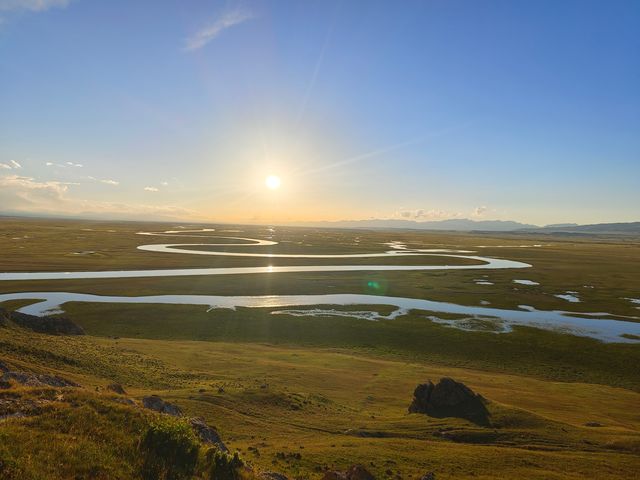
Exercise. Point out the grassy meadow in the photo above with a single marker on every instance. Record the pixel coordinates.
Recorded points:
(298, 395)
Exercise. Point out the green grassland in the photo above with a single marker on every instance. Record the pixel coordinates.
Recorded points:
(527, 351)
(333, 389)
(333, 406)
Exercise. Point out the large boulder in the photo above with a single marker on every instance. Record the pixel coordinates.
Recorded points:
(154, 402)
(446, 393)
(448, 398)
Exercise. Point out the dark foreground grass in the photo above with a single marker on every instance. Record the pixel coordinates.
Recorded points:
(77, 434)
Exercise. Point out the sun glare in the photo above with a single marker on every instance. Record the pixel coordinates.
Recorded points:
(272, 182)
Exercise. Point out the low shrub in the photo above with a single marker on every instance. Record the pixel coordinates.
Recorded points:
(170, 450)
(223, 466)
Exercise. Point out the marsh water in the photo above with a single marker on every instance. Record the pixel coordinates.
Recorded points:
(605, 329)
(596, 325)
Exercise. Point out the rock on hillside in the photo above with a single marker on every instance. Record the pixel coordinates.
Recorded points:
(207, 434)
(50, 325)
(446, 393)
(273, 476)
(154, 402)
(355, 472)
(449, 398)
(116, 388)
(31, 379)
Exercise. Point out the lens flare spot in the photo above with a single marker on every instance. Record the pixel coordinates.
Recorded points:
(376, 286)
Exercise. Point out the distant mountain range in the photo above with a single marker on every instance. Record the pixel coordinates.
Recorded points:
(454, 225)
(628, 228)
(468, 225)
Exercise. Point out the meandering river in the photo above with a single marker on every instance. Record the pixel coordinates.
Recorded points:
(596, 325)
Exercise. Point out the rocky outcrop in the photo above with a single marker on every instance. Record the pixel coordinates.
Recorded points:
(273, 476)
(207, 434)
(154, 402)
(18, 407)
(29, 379)
(355, 472)
(446, 393)
(49, 325)
(358, 472)
(449, 398)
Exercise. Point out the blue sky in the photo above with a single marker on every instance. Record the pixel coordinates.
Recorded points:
(426, 109)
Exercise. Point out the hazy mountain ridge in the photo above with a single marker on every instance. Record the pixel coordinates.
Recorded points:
(451, 224)
(627, 228)
(459, 225)
(467, 225)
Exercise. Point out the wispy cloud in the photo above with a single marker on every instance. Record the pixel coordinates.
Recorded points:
(421, 214)
(150, 189)
(9, 8)
(383, 150)
(64, 165)
(316, 72)
(26, 194)
(106, 181)
(32, 5)
(363, 156)
(479, 211)
(227, 20)
(12, 165)
(27, 190)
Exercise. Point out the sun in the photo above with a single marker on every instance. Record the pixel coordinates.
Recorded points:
(272, 182)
